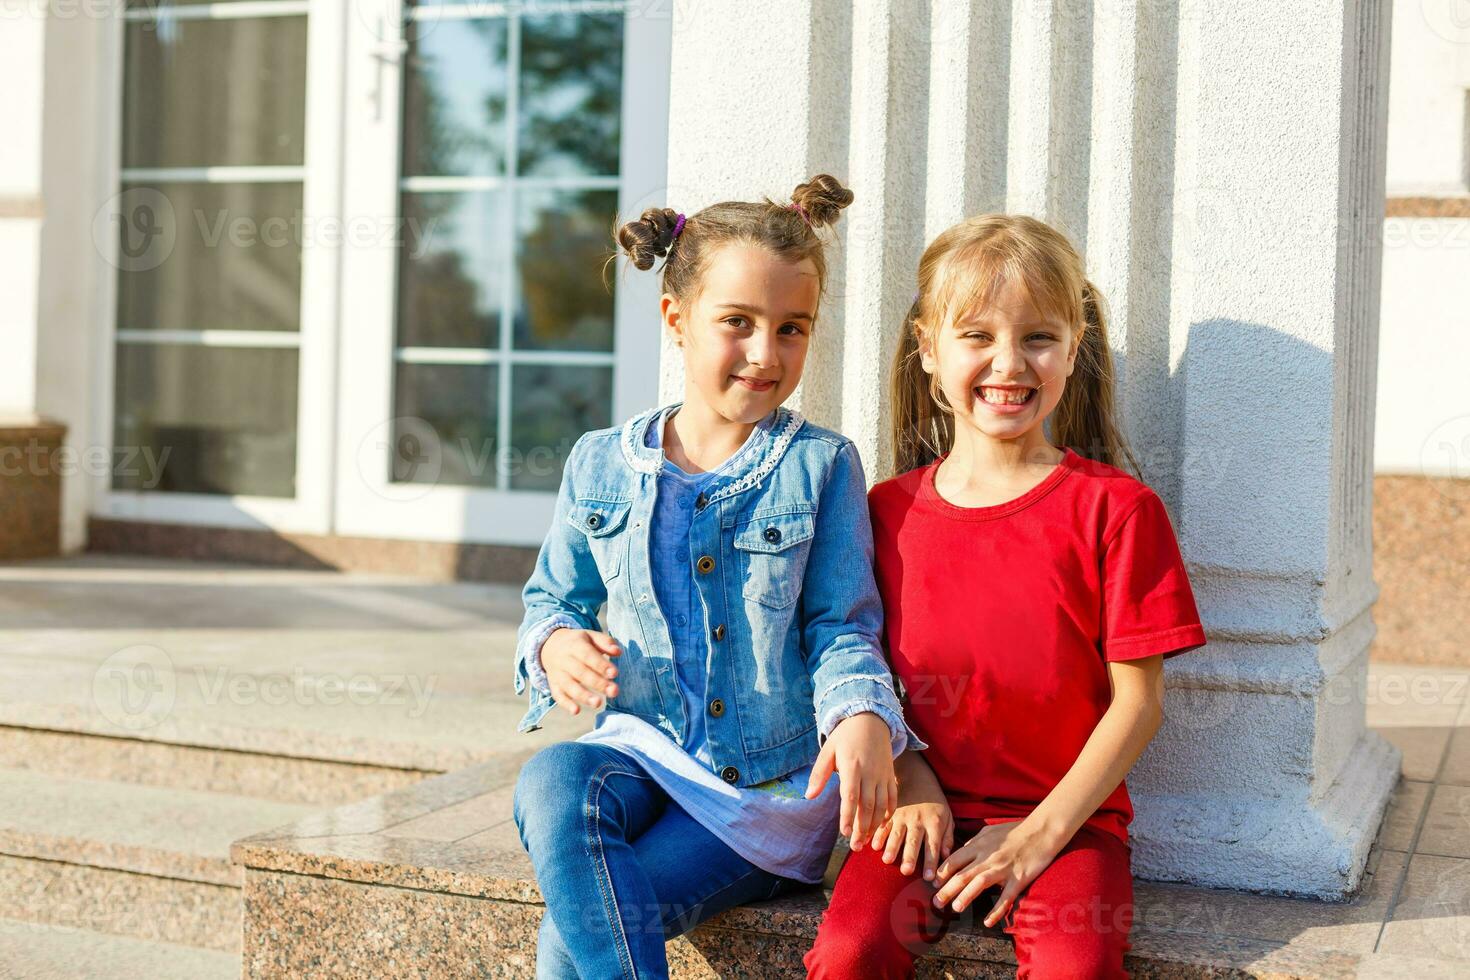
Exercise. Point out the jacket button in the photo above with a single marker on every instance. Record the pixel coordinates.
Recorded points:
(773, 534)
(730, 774)
(717, 707)
(718, 632)
(706, 564)
(594, 521)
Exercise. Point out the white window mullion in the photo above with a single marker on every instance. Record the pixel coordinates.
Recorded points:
(508, 293)
(235, 10)
(213, 175)
(212, 338)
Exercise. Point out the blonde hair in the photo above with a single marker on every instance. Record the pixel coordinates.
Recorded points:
(962, 271)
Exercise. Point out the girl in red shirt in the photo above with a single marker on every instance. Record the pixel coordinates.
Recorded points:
(1032, 589)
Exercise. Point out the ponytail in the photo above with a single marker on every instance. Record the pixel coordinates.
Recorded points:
(922, 428)
(1085, 420)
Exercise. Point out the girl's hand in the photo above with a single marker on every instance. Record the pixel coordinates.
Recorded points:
(579, 667)
(860, 751)
(1009, 854)
(929, 826)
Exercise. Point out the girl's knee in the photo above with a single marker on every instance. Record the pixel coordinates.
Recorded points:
(551, 781)
(850, 951)
(1062, 954)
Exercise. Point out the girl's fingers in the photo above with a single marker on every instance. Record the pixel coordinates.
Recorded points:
(863, 820)
(892, 797)
(599, 663)
(592, 682)
(880, 834)
(970, 892)
(577, 694)
(604, 643)
(821, 772)
(893, 843)
(911, 848)
(1002, 904)
(956, 884)
(931, 854)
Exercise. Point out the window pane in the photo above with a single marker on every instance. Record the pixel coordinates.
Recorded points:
(554, 404)
(228, 92)
(565, 299)
(454, 98)
(451, 269)
(209, 257)
(205, 420)
(571, 94)
(455, 406)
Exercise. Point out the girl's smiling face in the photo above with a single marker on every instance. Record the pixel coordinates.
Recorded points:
(1001, 368)
(745, 334)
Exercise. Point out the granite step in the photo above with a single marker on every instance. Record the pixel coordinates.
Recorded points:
(282, 778)
(431, 881)
(126, 859)
(33, 951)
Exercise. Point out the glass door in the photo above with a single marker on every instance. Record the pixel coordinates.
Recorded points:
(221, 324)
(490, 330)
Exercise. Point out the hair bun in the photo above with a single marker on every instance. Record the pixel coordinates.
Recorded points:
(650, 237)
(821, 199)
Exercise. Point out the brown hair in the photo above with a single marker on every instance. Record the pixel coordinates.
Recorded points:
(789, 231)
(961, 271)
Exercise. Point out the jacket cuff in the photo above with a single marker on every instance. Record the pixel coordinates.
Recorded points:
(866, 692)
(536, 638)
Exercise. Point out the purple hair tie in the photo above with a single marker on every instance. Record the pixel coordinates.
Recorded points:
(801, 211)
(678, 227)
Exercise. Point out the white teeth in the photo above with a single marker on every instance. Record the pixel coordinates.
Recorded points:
(1003, 396)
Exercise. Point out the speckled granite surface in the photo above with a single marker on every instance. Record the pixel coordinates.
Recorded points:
(431, 881)
(121, 903)
(30, 502)
(1421, 562)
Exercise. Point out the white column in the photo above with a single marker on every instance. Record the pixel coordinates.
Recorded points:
(1266, 776)
(1221, 166)
(22, 47)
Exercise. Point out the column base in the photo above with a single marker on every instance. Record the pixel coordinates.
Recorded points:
(1281, 846)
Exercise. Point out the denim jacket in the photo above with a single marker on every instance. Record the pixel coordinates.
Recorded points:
(783, 552)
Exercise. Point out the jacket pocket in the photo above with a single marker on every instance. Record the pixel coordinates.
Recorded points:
(603, 521)
(773, 551)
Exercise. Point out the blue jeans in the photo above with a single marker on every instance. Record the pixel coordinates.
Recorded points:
(621, 866)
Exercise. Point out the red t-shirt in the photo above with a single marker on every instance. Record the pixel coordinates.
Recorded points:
(999, 622)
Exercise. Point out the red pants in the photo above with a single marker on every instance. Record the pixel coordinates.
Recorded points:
(1071, 923)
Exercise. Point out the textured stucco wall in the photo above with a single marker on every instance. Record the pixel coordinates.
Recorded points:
(1221, 165)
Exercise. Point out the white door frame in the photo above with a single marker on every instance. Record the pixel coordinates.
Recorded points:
(348, 313)
(368, 504)
(310, 510)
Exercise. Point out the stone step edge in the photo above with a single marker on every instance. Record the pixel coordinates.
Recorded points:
(266, 742)
(60, 952)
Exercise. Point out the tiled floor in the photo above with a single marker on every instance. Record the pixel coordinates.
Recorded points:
(1425, 711)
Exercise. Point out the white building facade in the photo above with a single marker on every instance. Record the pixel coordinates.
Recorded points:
(343, 261)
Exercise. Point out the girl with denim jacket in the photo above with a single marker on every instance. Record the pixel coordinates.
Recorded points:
(729, 540)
